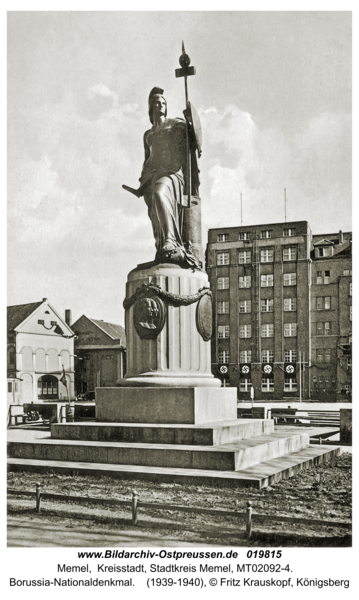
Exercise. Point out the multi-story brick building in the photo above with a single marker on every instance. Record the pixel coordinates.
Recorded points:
(331, 316)
(264, 309)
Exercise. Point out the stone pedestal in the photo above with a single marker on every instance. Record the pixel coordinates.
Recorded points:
(170, 347)
(166, 405)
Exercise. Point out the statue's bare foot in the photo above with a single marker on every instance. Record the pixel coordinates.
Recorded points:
(169, 247)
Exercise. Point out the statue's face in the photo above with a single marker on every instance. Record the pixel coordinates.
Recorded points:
(159, 106)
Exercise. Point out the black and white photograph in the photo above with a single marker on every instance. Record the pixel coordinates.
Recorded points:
(179, 299)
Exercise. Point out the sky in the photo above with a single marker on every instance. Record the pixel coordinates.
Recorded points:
(273, 92)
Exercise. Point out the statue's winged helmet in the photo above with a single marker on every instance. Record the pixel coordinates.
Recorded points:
(156, 91)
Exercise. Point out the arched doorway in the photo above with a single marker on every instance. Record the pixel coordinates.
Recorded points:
(47, 388)
(27, 390)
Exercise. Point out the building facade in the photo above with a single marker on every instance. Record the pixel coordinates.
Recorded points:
(267, 316)
(100, 350)
(40, 345)
(331, 316)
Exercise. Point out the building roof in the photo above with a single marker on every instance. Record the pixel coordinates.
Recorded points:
(324, 242)
(17, 314)
(116, 332)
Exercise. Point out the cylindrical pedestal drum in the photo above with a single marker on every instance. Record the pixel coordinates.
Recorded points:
(168, 328)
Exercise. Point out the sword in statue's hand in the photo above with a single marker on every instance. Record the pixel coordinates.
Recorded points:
(138, 192)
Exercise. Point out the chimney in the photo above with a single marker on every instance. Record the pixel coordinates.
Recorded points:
(68, 317)
(341, 237)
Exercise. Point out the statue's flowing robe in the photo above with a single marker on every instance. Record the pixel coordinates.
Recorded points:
(162, 180)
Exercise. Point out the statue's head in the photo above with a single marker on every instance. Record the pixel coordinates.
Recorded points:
(154, 97)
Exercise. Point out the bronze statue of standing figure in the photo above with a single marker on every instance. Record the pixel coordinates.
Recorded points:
(169, 179)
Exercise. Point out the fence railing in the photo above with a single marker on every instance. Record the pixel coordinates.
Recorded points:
(307, 418)
(248, 516)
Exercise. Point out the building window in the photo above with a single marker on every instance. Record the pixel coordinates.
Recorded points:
(223, 283)
(323, 302)
(267, 305)
(350, 289)
(243, 235)
(223, 237)
(267, 280)
(245, 356)
(290, 304)
(290, 279)
(267, 385)
(315, 379)
(289, 232)
(350, 313)
(290, 253)
(47, 387)
(267, 356)
(290, 385)
(41, 322)
(9, 386)
(320, 303)
(350, 340)
(223, 308)
(11, 358)
(245, 331)
(290, 356)
(319, 277)
(245, 282)
(324, 251)
(267, 256)
(319, 328)
(245, 385)
(346, 272)
(223, 356)
(349, 362)
(244, 257)
(266, 233)
(327, 328)
(290, 330)
(223, 331)
(267, 330)
(319, 355)
(223, 258)
(245, 306)
(326, 277)
(327, 355)
(348, 387)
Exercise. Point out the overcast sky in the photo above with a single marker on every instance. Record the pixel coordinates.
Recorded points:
(273, 91)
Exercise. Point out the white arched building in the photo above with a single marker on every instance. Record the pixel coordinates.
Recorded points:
(40, 345)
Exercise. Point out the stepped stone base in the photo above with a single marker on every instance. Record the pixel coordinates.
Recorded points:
(207, 434)
(257, 476)
(165, 405)
(233, 456)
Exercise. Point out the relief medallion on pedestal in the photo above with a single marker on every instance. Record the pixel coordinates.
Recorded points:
(149, 316)
(204, 317)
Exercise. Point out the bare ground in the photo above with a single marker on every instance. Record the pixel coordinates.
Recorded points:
(322, 493)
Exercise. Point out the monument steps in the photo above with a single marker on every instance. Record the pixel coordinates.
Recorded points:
(205, 434)
(260, 475)
(233, 456)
